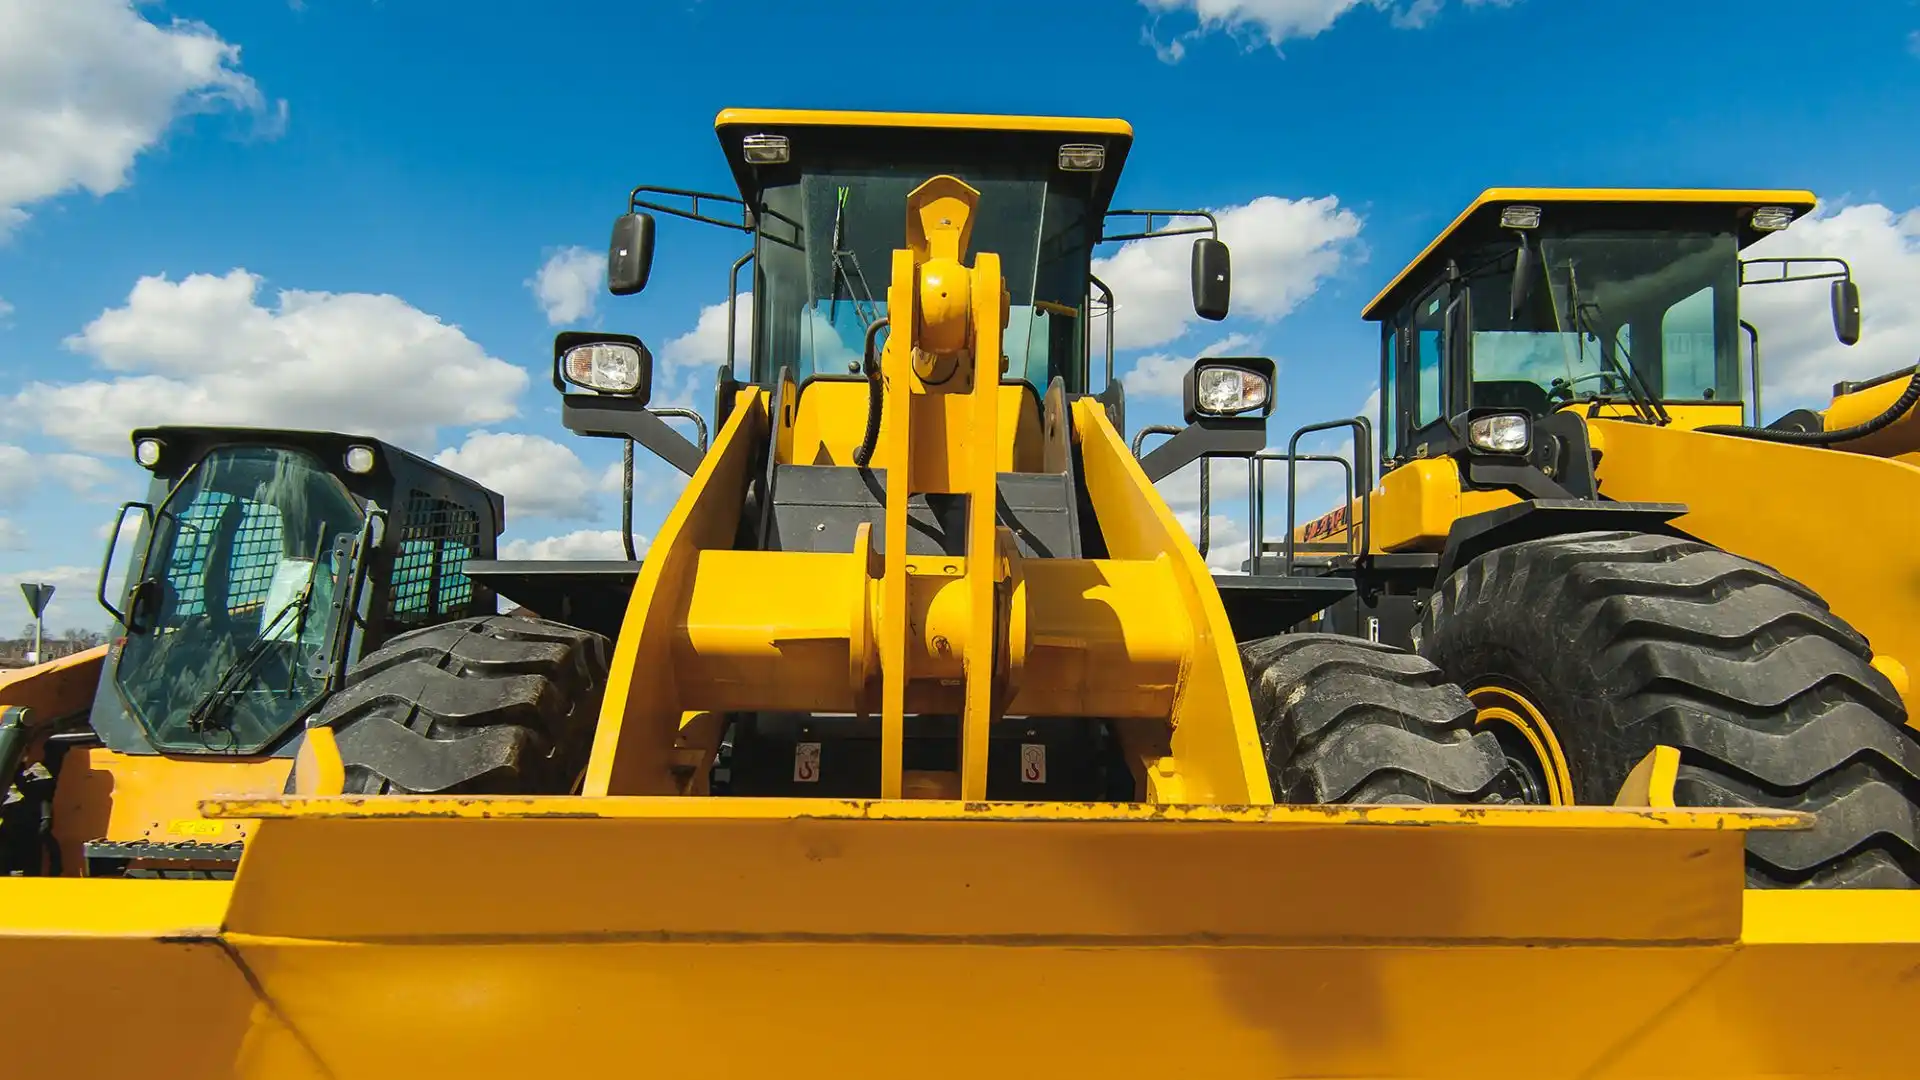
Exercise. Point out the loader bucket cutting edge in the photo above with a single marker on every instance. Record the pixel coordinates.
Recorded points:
(430, 937)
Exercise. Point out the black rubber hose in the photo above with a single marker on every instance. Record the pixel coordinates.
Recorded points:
(1827, 438)
(864, 454)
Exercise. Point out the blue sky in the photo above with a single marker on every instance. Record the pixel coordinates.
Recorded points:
(337, 212)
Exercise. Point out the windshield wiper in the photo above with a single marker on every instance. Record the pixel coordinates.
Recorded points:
(1645, 405)
(238, 673)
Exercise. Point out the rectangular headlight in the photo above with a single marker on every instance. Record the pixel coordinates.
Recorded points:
(609, 367)
(1083, 157)
(765, 149)
(1772, 218)
(1502, 433)
(1229, 391)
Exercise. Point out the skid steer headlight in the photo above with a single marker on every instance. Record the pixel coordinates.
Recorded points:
(609, 367)
(147, 453)
(359, 459)
(1502, 433)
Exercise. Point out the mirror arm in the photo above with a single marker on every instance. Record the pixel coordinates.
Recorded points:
(1211, 228)
(622, 418)
(692, 213)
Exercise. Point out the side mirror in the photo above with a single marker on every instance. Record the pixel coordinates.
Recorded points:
(630, 254)
(617, 365)
(1846, 311)
(1212, 279)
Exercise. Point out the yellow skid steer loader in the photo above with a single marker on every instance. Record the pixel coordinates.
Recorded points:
(921, 741)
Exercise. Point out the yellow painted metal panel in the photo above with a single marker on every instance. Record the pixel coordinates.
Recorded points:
(1215, 748)
(1416, 505)
(1843, 524)
(57, 688)
(1902, 437)
(832, 418)
(640, 714)
(101, 794)
(815, 869)
(966, 121)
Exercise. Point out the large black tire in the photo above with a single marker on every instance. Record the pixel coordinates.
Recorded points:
(1626, 641)
(494, 705)
(1343, 720)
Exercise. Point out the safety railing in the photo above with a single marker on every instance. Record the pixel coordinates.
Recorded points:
(1359, 482)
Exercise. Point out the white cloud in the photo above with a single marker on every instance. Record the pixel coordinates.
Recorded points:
(706, 344)
(1282, 250)
(1275, 21)
(1162, 374)
(201, 350)
(584, 544)
(1800, 358)
(537, 476)
(86, 86)
(6, 309)
(567, 284)
(73, 603)
(129, 527)
(16, 470)
(11, 536)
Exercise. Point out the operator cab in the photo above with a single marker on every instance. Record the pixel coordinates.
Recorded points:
(1622, 304)
(264, 563)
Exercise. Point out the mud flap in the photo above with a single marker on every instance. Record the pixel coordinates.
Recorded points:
(573, 936)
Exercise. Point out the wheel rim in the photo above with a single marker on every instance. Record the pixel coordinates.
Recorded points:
(1528, 738)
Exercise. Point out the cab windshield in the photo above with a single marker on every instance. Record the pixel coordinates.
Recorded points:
(1662, 307)
(826, 257)
(242, 571)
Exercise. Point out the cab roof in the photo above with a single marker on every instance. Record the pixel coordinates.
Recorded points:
(958, 136)
(1588, 208)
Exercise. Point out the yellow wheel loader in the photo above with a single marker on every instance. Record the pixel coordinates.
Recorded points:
(921, 740)
(1582, 523)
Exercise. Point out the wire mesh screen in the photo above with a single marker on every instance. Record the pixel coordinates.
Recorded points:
(430, 584)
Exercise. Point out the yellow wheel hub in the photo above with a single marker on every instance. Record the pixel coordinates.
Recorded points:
(1502, 705)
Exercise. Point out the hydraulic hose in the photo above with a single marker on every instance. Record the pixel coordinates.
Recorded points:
(864, 455)
(1898, 409)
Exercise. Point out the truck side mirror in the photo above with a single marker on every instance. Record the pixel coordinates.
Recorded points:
(1212, 279)
(630, 254)
(1846, 311)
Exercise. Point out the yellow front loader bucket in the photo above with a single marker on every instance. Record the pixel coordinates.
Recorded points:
(638, 936)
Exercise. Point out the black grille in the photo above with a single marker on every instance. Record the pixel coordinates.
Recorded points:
(430, 583)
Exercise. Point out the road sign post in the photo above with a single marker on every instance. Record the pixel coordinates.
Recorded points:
(38, 594)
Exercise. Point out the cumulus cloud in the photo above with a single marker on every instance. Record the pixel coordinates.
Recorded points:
(706, 344)
(537, 476)
(1801, 358)
(584, 544)
(16, 470)
(73, 603)
(567, 284)
(1275, 21)
(1161, 374)
(1282, 250)
(86, 86)
(203, 350)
